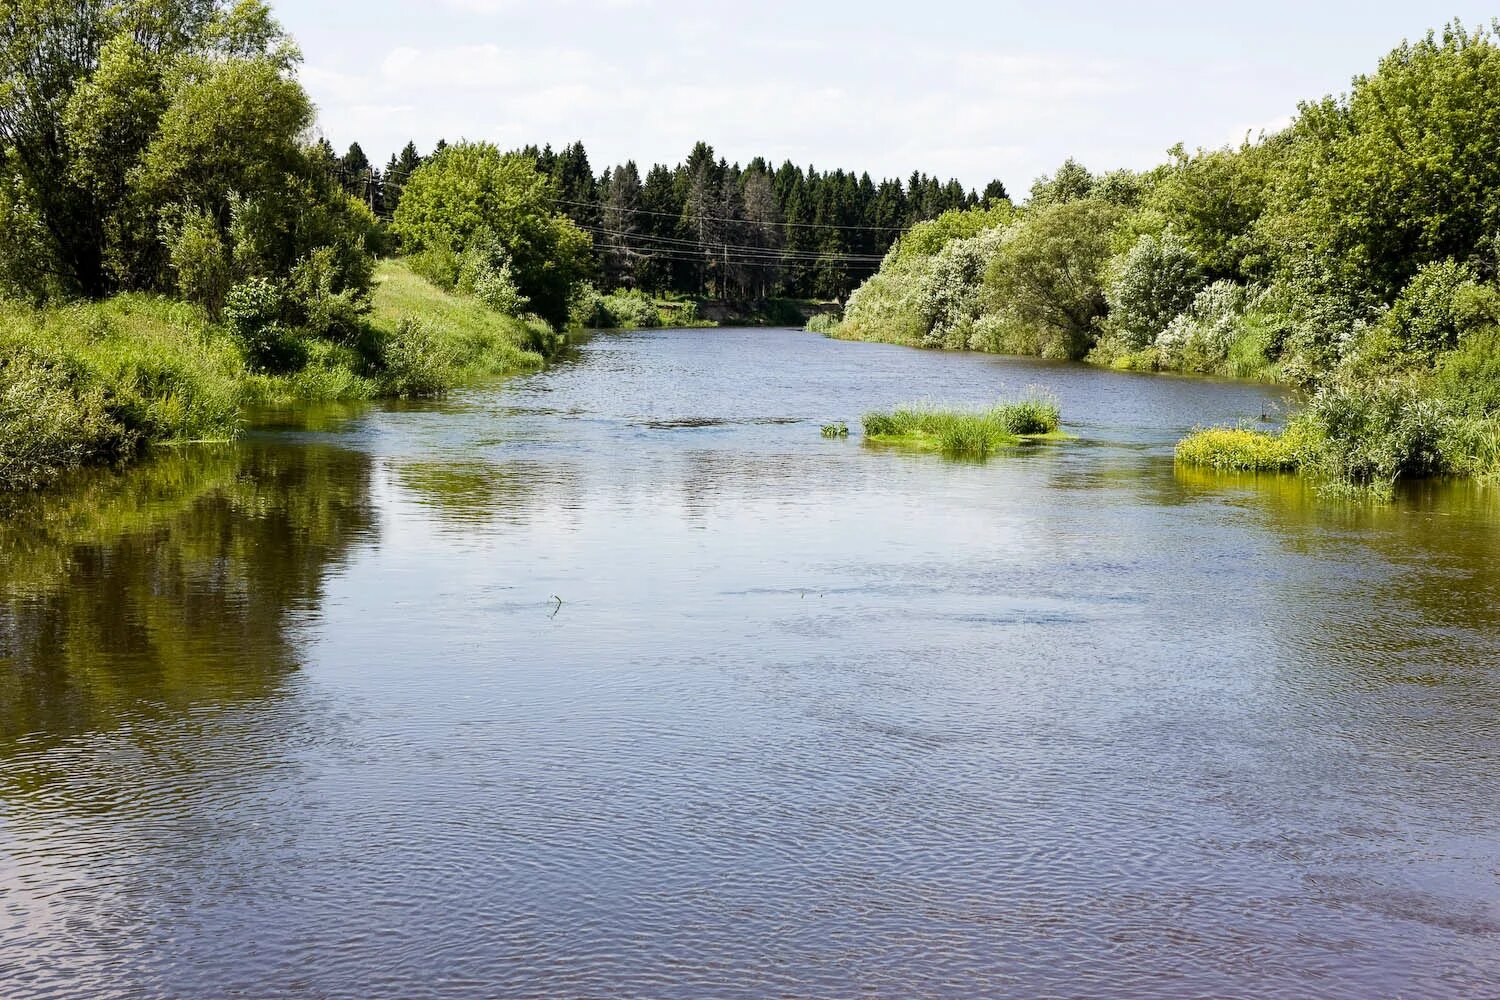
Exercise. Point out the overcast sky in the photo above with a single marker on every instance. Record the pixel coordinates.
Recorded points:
(973, 90)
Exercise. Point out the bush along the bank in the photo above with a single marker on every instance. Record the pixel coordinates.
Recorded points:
(622, 310)
(825, 323)
(1364, 435)
(1352, 254)
(959, 433)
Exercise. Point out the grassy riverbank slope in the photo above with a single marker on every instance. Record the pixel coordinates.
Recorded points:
(97, 382)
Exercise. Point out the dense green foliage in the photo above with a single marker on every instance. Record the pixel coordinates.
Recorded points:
(963, 433)
(627, 310)
(470, 199)
(158, 147)
(1353, 254)
(172, 246)
(93, 383)
(824, 323)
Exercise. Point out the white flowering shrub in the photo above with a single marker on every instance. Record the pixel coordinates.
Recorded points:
(885, 308)
(1201, 336)
(925, 301)
(1149, 285)
(948, 292)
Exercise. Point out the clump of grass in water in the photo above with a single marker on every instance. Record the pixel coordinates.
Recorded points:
(964, 433)
(838, 429)
(1238, 449)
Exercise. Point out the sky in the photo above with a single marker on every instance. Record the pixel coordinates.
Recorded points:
(959, 89)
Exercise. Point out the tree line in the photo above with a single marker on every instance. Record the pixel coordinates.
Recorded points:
(706, 226)
(1355, 253)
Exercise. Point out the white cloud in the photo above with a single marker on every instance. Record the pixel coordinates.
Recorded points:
(1253, 132)
(946, 111)
(948, 86)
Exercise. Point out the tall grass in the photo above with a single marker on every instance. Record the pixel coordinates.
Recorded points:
(479, 341)
(964, 433)
(824, 323)
(91, 383)
(1238, 449)
(95, 382)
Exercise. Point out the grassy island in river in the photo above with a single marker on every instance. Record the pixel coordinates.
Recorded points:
(959, 433)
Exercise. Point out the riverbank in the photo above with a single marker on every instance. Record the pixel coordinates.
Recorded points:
(98, 382)
(638, 310)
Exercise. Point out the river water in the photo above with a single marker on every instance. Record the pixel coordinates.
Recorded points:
(621, 681)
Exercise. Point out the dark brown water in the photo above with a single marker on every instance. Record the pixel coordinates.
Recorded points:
(302, 717)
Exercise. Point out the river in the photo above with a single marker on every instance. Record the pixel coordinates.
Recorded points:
(619, 680)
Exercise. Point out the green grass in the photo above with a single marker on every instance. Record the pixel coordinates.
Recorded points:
(94, 383)
(479, 341)
(422, 340)
(1238, 449)
(973, 434)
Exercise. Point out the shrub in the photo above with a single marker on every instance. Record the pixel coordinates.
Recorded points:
(52, 420)
(1254, 349)
(437, 264)
(95, 382)
(824, 323)
(925, 301)
(1202, 336)
(253, 311)
(319, 303)
(1371, 434)
(885, 307)
(200, 259)
(484, 272)
(1436, 308)
(414, 362)
(1149, 285)
(622, 310)
(948, 293)
(1469, 377)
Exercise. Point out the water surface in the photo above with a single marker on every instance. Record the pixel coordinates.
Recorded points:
(619, 680)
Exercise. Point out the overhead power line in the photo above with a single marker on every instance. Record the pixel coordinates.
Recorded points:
(712, 256)
(732, 261)
(713, 247)
(720, 218)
